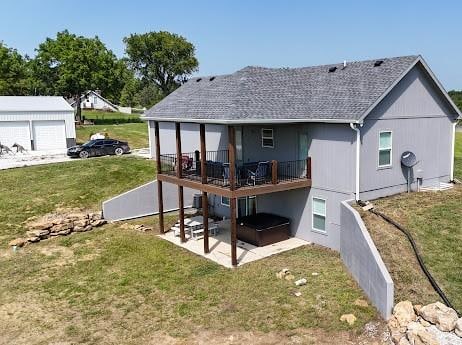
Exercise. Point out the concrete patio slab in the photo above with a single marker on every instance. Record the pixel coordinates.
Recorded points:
(220, 247)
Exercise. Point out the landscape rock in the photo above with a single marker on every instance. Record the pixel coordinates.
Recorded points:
(418, 335)
(98, 222)
(404, 341)
(404, 313)
(61, 227)
(424, 322)
(64, 232)
(41, 225)
(38, 233)
(443, 317)
(445, 338)
(95, 216)
(19, 242)
(417, 308)
(361, 303)
(396, 331)
(301, 282)
(348, 318)
(289, 277)
(33, 239)
(458, 328)
(80, 223)
(281, 274)
(79, 228)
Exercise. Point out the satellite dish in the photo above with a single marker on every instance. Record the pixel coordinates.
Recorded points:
(408, 159)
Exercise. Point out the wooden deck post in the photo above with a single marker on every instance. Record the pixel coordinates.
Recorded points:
(179, 168)
(308, 168)
(232, 157)
(205, 201)
(274, 172)
(160, 198)
(232, 206)
(232, 183)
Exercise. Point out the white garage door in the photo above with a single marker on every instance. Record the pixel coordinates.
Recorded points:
(49, 135)
(15, 132)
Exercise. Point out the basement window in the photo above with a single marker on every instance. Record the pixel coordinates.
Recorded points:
(267, 139)
(319, 214)
(225, 201)
(385, 149)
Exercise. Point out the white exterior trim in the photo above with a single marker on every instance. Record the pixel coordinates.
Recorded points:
(249, 122)
(324, 232)
(453, 149)
(355, 127)
(390, 165)
(263, 138)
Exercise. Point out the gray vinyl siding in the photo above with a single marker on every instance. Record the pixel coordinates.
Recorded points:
(331, 148)
(216, 137)
(421, 122)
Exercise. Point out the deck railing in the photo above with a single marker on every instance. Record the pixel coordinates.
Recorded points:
(247, 174)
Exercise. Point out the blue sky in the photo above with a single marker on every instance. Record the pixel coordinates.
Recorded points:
(229, 35)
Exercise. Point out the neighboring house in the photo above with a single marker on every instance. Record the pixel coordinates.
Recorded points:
(36, 122)
(352, 120)
(94, 101)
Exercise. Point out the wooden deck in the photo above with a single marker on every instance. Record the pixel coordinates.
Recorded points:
(237, 193)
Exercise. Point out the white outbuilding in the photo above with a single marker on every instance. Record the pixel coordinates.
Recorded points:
(37, 123)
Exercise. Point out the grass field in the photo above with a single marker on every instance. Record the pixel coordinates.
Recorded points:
(458, 156)
(115, 285)
(435, 221)
(135, 133)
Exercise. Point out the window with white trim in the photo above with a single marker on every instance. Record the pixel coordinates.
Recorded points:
(267, 139)
(225, 201)
(319, 214)
(385, 149)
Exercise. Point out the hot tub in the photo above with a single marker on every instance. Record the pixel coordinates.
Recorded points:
(262, 229)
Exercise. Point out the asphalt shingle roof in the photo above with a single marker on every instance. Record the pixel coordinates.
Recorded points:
(33, 103)
(258, 93)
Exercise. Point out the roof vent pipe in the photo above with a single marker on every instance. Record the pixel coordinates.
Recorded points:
(344, 64)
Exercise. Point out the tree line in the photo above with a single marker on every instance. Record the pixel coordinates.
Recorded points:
(156, 63)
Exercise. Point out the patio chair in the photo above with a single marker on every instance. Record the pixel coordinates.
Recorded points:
(226, 174)
(259, 175)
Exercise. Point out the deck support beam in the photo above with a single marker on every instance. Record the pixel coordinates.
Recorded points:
(179, 170)
(160, 198)
(232, 183)
(205, 201)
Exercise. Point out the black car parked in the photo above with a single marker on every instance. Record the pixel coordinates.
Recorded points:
(99, 147)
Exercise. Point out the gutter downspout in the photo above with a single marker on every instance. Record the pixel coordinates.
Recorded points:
(453, 145)
(356, 127)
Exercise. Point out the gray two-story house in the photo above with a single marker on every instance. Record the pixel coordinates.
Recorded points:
(296, 142)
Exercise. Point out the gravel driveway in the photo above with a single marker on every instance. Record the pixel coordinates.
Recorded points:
(17, 160)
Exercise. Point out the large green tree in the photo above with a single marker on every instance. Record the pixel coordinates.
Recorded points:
(14, 76)
(161, 58)
(69, 64)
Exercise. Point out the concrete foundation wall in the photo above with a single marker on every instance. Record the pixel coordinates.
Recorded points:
(142, 201)
(364, 262)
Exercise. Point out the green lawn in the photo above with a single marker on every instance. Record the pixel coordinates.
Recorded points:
(458, 156)
(114, 285)
(135, 133)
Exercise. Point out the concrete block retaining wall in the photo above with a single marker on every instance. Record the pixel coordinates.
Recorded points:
(364, 262)
(142, 201)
